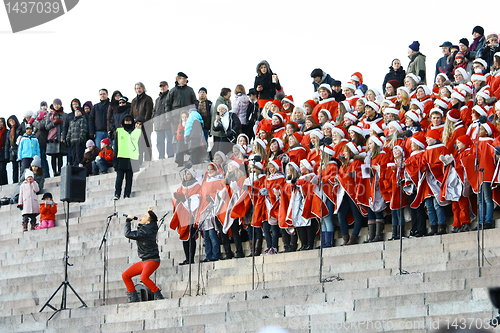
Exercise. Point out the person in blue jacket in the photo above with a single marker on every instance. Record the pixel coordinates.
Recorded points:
(28, 148)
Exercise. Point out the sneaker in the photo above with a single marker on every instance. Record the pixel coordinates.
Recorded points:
(267, 251)
(272, 251)
(126, 197)
(116, 197)
(455, 230)
(465, 228)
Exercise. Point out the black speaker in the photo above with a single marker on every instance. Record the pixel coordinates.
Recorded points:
(73, 183)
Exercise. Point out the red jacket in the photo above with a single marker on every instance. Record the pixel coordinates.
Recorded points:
(107, 154)
(48, 213)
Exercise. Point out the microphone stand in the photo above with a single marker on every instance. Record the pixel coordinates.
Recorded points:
(105, 258)
(401, 210)
(479, 207)
(483, 215)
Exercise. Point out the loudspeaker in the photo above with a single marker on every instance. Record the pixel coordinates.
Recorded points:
(73, 183)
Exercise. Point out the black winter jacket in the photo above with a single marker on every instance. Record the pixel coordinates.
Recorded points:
(232, 132)
(11, 155)
(159, 120)
(398, 75)
(98, 119)
(207, 118)
(266, 81)
(145, 235)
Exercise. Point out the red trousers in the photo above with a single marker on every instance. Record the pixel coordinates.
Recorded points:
(145, 269)
(461, 213)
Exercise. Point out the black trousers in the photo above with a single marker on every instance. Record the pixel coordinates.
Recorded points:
(235, 230)
(77, 151)
(120, 174)
(3, 173)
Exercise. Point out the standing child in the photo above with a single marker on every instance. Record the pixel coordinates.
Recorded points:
(78, 133)
(181, 144)
(28, 148)
(28, 201)
(48, 210)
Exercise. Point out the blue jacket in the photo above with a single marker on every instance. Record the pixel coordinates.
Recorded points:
(193, 116)
(28, 147)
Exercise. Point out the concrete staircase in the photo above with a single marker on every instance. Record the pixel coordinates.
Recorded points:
(361, 290)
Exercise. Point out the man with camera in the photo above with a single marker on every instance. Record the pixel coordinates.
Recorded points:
(227, 126)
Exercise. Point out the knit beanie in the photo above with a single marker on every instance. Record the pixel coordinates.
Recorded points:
(415, 46)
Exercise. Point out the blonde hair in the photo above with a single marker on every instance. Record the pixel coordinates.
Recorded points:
(449, 128)
(375, 151)
(342, 112)
(265, 110)
(326, 160)
(304, 114)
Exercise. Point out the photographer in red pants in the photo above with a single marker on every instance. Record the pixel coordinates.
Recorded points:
(147, 249)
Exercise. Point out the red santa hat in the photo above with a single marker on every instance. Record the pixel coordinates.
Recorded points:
(358, 77)
(419, 139)
(458, 95)
(327, 112)
(221, 155)
(413, 116)
(376, 128)
(481, 61)
(463, 72)
(420, 105)
(298, 137)
(276, 163)
(280, 115)
(436, 110)
(484, 93)
(490, 128)
(240, 148)
(347, 106)
(277, 103)
(391, 111)
(443, 76)
(261, 142)
(434, 134)
(349, 85)
(356, 129)
(373, 105)
(414, 77)
(405, 90)
(308, 165)
(216, 167)
(351, 116)
(288, 99)
(465, 87)
(329, 150)
(294, 124)
(279, 141)
(396, 126)
(106, 142)
(352, 147)
(453, 115)
(245, 136)
(388, 103)
(236, 162)
(317, 133)
(266, 127)
(329, 125)
(465, 139)
(478, 77)
(376, 140)
(340, 130)
(311, 103)
(325, 86)
(480, 110)
(293, 165)
(442, 104)
(426, 89)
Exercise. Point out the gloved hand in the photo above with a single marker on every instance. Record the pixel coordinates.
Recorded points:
(234, 186)
(31, 120)
(20, 207)
(41, 115)
(284, 159)
(97, 158)
(315, 180)
(180, 196)
(263, 191)
(57, 121)
(111, 135)
(276, 192)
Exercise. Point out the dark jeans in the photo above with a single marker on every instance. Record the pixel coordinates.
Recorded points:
(77, 151)
(256, 231)
(119, 181)
(235, 230)
(212, 244)
(57, 163)
(102, 165)
(161, 137)
(3, 173)
(25, 164)
(347, 206)
(275, 229)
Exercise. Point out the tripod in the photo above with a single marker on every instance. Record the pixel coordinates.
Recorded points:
(65, 284)
(105, 259)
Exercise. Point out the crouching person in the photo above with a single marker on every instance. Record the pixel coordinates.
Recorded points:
(147, 249)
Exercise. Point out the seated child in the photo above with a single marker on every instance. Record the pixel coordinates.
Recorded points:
(104, 160)
(48, 210)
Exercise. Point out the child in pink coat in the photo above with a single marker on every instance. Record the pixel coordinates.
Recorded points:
(28, 201)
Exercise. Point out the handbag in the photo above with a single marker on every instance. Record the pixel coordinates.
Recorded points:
(56, 148)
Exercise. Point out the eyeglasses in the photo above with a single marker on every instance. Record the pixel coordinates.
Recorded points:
(120, 103)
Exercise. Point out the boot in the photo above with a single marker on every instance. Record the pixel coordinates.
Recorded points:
(25, 226)
(323, 241)
(229, 255)
(465, 228)
(33, 225)
(157, 295)
(395, 233)
(258, 247)
(353, 240)
(442, 230)
(346, 239)
(379, 232)
(433, 230)
(287, 248)
(371, 232)
(293, 246)
(132, 296)
(329, 239)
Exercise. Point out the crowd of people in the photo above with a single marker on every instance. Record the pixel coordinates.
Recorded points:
(350, 156)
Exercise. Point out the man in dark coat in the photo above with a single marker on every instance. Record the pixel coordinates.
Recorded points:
(337, 91)
(41, 134)
(204, 106)
(442, 62)
(161, 124)
(121, 111)
(142, 104)
(98, 119)
(179, 96)
(320, 77)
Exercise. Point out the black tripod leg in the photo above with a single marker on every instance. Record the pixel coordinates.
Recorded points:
(51, 297)
(76, 294)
